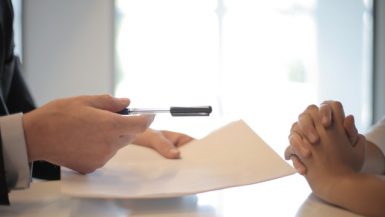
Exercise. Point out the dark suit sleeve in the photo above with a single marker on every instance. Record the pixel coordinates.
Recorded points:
(18, 97)
(20, 100)
(4, 200)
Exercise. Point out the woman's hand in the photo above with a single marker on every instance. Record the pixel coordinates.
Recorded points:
(304, 129)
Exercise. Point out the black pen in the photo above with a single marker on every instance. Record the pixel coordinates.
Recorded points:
(173, 110)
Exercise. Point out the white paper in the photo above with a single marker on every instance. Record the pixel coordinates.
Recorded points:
(230, 156)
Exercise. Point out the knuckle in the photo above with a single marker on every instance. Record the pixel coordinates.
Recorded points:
(304, 121)
(312, 107)
(302, 116)
(106, 97)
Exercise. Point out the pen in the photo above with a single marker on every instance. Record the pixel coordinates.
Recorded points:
(173, 110)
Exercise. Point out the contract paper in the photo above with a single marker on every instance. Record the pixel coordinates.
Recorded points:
(231, 156)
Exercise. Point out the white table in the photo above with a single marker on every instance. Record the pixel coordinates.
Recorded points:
(288, 196)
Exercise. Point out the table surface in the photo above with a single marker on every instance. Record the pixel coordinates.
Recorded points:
(287, 196)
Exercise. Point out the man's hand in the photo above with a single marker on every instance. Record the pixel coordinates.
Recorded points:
(81, 133)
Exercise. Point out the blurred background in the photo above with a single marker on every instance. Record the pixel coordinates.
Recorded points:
(261, 61)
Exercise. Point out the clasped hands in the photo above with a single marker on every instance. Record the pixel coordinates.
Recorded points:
(325, 146)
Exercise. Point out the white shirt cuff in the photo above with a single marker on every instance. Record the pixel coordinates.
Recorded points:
(18, 172)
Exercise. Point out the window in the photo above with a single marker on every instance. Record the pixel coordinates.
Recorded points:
(262, 61)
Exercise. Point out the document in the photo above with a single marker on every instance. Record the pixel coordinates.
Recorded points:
(231, 156)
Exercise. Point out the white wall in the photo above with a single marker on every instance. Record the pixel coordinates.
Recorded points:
(344, 54)
(68, 47)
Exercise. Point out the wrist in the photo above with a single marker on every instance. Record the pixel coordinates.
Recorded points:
(335, 188)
